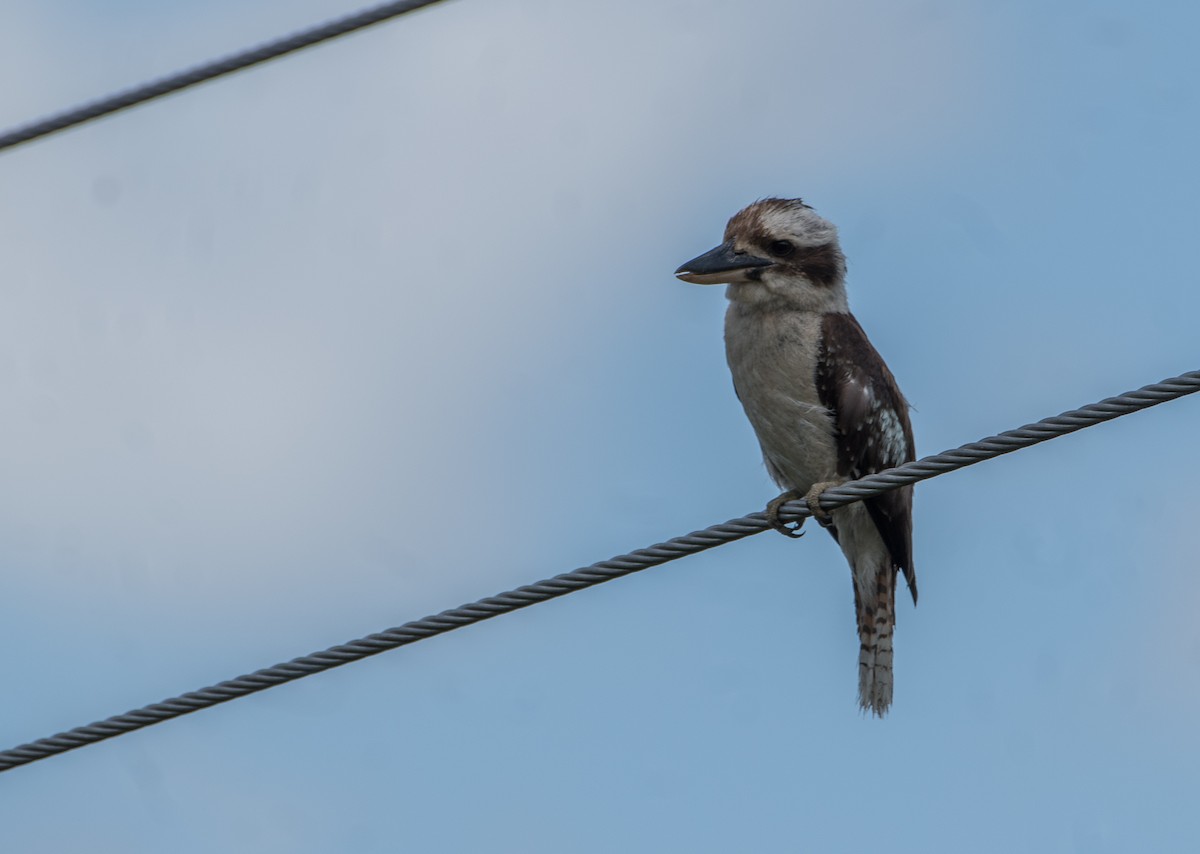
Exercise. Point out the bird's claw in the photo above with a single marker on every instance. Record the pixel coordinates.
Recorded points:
(792, 530)
(813, 498)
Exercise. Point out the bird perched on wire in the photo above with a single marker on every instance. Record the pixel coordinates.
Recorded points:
(823, 403)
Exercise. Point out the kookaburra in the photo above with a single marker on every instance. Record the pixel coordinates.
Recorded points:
(823, 403)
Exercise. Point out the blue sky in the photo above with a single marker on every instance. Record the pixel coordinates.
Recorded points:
(390, 325)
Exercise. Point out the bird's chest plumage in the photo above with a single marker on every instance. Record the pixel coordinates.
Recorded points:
(773, 358)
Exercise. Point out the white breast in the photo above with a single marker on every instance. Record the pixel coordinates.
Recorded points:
(773, 358)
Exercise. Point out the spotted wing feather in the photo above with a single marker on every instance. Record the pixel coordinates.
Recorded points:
(872, 428)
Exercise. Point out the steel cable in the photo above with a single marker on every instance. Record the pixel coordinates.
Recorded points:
(598, 573)
(208, 71)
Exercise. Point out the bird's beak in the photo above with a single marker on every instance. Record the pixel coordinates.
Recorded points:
(721, 266)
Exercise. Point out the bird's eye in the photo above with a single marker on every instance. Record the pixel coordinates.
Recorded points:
(781, 248)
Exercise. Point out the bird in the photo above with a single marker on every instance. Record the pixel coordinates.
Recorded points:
(823, 404)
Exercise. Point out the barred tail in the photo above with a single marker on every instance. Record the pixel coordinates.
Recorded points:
(875, 604)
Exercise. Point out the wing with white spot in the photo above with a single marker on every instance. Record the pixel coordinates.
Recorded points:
(873, 431)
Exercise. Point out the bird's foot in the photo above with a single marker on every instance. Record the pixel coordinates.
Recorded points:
(814, 503)
(792, 530)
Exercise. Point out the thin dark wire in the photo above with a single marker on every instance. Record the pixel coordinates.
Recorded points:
(598, 573)
(209, 70)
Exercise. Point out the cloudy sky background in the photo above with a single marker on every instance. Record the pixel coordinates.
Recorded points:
(390, 325)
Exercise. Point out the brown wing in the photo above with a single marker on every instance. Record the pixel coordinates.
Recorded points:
(870, 417)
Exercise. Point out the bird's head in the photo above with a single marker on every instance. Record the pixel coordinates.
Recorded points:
(776, 250)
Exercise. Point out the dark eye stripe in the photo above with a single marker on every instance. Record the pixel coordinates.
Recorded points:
(824, 265)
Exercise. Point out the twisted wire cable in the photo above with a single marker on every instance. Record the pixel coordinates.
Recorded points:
(1003, 443)
(598, 573)
(207, 71)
